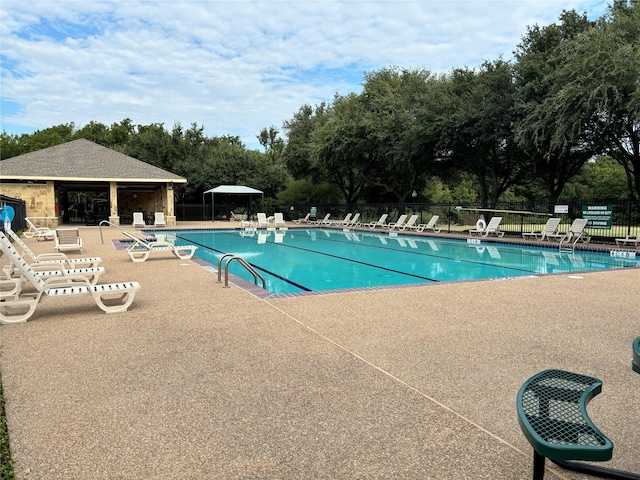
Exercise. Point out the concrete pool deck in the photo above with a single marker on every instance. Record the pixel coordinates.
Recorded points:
(198, 381)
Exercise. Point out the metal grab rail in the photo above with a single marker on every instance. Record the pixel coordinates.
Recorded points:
(107, 222)
(231, 257)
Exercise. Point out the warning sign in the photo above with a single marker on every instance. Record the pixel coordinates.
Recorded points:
(599, 216)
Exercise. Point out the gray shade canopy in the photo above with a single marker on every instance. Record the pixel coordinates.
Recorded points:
(228, 189)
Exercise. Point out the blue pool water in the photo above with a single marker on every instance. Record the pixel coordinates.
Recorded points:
(299, 260)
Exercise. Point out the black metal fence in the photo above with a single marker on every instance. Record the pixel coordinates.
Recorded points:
(20, 212)
(610, 219)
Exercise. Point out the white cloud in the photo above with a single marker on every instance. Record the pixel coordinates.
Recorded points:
(234, 66)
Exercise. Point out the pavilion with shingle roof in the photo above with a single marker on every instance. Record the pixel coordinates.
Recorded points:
(54, 181)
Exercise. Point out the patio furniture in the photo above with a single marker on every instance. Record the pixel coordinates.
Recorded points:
(138, 220)
(141, 249)
(324, 221)
(431, 225)
(263, 222)
(68, 239)
(38, 232)
(159, 220)
(631, 240)
(382, 222)
(55, 258)
(303, 220)
(16, 305)
(550, 228)
(635, 363)
(493, 227)
(576, 231)
(344, 221)
(553, 417)
(411, 223)
(278, 220)
(398, 223)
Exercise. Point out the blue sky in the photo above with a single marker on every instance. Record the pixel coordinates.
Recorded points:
(234, 67)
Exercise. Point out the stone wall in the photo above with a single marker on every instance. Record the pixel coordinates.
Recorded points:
(41, 203)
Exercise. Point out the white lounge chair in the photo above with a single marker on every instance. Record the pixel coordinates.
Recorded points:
(262, 220)
(411, 223)
(550, 228)
(303, 220)
(16, 305)
(431, 225)
(631, 240)
(344, 221)
(278, 220)
(138, 220)
(574, 234)
(57, 258)
(53, 269)
(68, 239)
(493, 227)
(398, 223)
(325, 221)
(141, 249)
(38, 232)
(159, 220)
(382, 222)
(354, 222)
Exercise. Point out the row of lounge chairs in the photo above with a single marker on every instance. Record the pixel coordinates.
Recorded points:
(549, 231)
(353, 220)
(262, 221)
(28, 278)
(139, 222)
(45, 233)
(65, 239)
(54, 275)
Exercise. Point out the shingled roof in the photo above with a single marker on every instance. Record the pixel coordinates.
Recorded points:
(82, 160)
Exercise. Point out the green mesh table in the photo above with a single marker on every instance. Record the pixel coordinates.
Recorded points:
(553, 417)
(635, 363)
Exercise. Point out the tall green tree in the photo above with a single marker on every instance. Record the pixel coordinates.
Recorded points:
(341, 147)
(13, 145)
(601, 88)
(401, 110)
(481, 134)
(272, 143)
(557, 147)
(298, 154)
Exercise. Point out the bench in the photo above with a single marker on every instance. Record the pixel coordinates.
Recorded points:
(553, 417)
(635, 363)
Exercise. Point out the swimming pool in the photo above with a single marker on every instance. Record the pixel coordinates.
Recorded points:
(303, 260)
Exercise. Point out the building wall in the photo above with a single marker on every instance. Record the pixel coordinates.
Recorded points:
(41, 202)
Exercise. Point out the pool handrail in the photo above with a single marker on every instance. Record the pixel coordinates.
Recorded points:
(107, 222)
(231, 257)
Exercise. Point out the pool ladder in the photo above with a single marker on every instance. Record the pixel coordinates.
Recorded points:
(230, 257)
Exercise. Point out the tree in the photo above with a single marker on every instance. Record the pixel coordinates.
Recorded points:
(298, 154)
(96, 132)
(13, 145)
(557, 148)
(273, 145)
(481, 134)
(399, 149)
(341, 147)
(601, 88)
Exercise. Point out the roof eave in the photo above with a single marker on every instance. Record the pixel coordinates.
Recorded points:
(88, 179)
